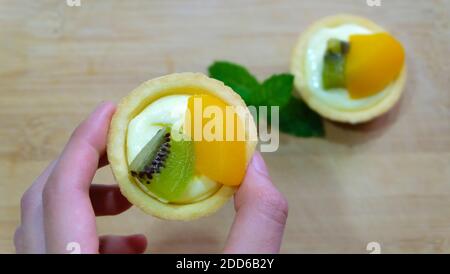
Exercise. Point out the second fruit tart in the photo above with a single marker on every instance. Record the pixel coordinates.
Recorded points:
(160, 156)
(349, 69)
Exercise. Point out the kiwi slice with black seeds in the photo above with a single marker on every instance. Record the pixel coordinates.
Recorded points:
(142, 166)
(165, 166)
(176, 172)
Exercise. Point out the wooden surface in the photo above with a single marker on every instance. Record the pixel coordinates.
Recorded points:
(387, 181)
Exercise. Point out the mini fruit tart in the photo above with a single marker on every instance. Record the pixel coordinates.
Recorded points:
(349, 69)
(179, 145)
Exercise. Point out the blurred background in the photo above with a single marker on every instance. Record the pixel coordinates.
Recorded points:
(387, 181)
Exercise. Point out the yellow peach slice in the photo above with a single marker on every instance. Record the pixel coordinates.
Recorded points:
(219, 152)
(373, 62)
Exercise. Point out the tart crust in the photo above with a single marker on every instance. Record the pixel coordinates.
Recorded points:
(298, 69)
(132, 105)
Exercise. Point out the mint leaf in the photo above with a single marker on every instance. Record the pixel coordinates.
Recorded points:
(238, 78)
(298, 119)
(277, 90)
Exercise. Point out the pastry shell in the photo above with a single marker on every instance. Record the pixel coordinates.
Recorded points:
(298, 69)
(132, 105)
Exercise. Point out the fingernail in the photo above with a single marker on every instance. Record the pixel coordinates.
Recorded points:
(259, 164)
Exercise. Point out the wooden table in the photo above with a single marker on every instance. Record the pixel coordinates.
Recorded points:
(387, 181)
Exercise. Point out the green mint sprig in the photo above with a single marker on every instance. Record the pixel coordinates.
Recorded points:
(296, 117)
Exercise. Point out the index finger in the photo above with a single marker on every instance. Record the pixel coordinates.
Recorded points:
(68, 212)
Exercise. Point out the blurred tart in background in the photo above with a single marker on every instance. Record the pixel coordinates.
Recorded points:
(349, 69)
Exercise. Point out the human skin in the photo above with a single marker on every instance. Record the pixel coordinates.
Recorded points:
(61, 205)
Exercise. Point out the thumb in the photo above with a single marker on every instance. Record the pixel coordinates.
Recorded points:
(261, 213)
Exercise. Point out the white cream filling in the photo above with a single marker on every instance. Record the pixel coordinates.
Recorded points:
(338, 98)
(166, 111)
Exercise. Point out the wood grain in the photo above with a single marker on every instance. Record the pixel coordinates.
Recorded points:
(386, 181)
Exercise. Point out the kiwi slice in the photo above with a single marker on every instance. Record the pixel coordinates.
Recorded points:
(337, 46)
(148, 153)
(171, 182)
(333, 74)
(165, 166)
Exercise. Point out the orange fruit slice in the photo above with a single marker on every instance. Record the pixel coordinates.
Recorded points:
(219, 139)
(372, 63)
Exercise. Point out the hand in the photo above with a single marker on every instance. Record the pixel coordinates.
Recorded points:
(60, 206)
